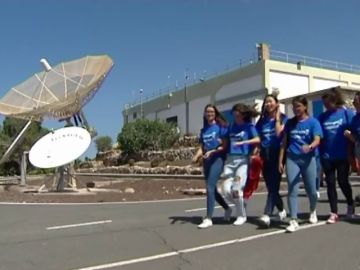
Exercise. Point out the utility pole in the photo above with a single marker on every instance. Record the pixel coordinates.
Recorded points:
(186, 104)
(141, 103)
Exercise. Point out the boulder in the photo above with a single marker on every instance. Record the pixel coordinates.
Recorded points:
(129, 190)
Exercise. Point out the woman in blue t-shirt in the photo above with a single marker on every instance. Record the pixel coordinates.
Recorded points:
(334, 151)
(302, 135)
(270, 127)
(353, 134)
(241, 138)
(213, 153)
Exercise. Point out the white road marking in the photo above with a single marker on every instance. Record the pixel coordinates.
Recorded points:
(194, 249)
(78, 225)
(103, 203)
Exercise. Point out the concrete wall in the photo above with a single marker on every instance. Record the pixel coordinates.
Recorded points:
(240, 85)
(176, 110)
(288, 84)
(151, 116)
(322, 83)
(196, 109)
(293, 80)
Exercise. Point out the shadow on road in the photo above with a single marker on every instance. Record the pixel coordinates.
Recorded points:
(254, 220)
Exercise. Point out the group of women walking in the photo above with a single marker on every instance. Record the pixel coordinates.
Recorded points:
(284, 145)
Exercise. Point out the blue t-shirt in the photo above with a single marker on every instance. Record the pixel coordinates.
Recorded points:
(266, 129)
(236, 133)
(334, 123)
(302, 133)
(211, 135)
(355, 127)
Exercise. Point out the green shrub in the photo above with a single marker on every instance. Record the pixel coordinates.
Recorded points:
(131, 162)
(144, 134)
(154, 163)
(103, 143)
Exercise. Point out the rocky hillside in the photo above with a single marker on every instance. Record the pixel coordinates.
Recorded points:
(173, 161)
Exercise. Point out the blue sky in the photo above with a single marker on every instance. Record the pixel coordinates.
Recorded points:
(153, 42)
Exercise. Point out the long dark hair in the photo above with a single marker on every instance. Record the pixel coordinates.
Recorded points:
(334, 96)
(357, 97)
(263, 112)
(247, 111)
(219, 118)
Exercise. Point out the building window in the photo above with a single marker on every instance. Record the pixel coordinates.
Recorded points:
(134, 115)
(172, 120)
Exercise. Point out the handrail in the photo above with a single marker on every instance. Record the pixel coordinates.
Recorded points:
(313, 61)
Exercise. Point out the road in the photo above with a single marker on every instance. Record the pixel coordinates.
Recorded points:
(163, 235)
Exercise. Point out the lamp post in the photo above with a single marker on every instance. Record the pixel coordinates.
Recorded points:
(141, 103)
(186, 104)
(169, 82)
(126, 113)
(169, 101)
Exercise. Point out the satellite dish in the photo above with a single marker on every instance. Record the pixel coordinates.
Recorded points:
(59, 147)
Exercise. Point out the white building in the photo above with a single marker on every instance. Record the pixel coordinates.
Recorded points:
(289, 74)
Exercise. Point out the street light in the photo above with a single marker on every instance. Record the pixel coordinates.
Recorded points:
(141, 103)
(169, 101)
(127, 113)
(187, 118)
(169, 82)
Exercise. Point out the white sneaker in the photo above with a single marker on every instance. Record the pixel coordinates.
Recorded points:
(293, 226)
(227, 215)
(240, 221)
(265, 220)
(282, 215)
(313, 217)
(318, 194)
(205, 224)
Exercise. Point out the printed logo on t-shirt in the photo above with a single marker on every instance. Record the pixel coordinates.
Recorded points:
(237, 136)
(268, 133)
(299, 134)
(208, 138)
(333, 126)
(211, 140)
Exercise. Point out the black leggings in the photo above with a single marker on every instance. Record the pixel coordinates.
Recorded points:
(339, 168)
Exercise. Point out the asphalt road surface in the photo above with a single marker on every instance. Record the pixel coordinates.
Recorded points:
(163, 235)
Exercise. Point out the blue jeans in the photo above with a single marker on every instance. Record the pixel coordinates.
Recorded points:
(272, 179)
(213, 168)
(304, 166)
(318, 172)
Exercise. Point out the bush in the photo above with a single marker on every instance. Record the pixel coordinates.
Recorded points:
(131, 162)
(154, 163)
(103, 143)
(145, 134)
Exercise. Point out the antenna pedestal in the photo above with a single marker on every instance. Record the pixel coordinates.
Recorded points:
(64, 178)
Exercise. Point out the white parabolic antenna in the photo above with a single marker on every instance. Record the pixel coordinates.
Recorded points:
(60, 147)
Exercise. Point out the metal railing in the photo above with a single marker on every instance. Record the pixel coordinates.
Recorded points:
(196, 78)
(190, 80)
(313, 61)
